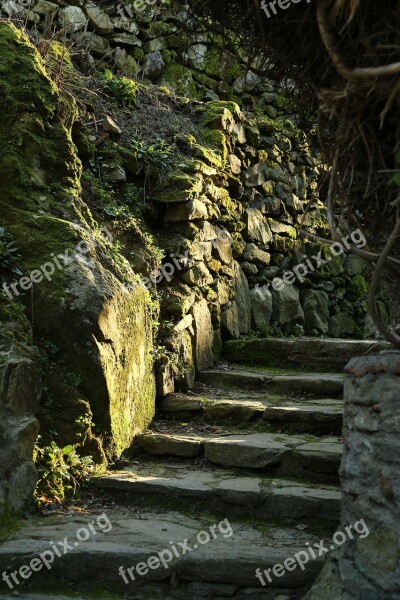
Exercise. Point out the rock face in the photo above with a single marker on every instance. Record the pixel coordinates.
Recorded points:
(215, 220)
(366, 565)
(83, 303)
(20, 391)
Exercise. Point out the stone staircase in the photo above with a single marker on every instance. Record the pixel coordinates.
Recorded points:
(257, 442)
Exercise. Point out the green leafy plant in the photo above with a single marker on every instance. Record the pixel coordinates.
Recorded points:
(298, 330)
(61, 471)
(153, 157)
(8, 256)
(113, 210)
(121, 88)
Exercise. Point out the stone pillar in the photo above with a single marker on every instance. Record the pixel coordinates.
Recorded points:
(368, 568)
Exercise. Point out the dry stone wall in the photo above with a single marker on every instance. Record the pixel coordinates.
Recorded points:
(248, 170)
(367, 566)
(226, 214)
(262, 172)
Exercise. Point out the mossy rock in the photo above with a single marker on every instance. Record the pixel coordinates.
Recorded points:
(214, 110)
(81, 305)
(179, 187)
(358, 288)
(180, 80)
(221, 65)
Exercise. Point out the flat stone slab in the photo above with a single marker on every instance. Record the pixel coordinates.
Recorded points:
(232, 378)
(235, 410)
(218, 488)
(296, 455)
(318, 416)
(306, 417)
(230, 557)
(322, 384)
(181, 404)
(159, 444)
(326, 354)
(254, 451)
(319, 384)
(323, 456)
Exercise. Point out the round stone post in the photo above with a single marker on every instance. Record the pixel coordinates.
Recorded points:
(366, 566)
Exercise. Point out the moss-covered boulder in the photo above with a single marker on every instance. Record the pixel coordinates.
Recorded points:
(81, 301)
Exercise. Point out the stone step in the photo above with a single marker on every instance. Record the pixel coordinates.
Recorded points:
(317, 384)
(223, 491)
(218, 559)
(302, 456)
(316, 353)
(280, 413)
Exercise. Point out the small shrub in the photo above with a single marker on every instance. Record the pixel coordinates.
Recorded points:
(153, 157)
(121, 88)
(298, 330)
(61, 471)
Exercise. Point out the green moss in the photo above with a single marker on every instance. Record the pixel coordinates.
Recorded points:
(205, 80)
(29, 99)
(128, 418)
(215, 109)
(138, 54)
(266, 125)
(221, 65)
(180, 80)
(218, 142)
(41, 206)
(359, 287)
(178, 187)
(216, 157)
(9, 525)
(159, 28)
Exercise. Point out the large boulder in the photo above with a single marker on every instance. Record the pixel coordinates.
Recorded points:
(97, 315)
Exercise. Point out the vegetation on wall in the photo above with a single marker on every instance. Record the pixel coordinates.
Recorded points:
(348, 73)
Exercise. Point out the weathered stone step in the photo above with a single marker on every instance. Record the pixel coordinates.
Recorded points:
(225, 492)
(318, 384)
(316, 353)
(313, 416)
(222, 557)
(293, 455)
